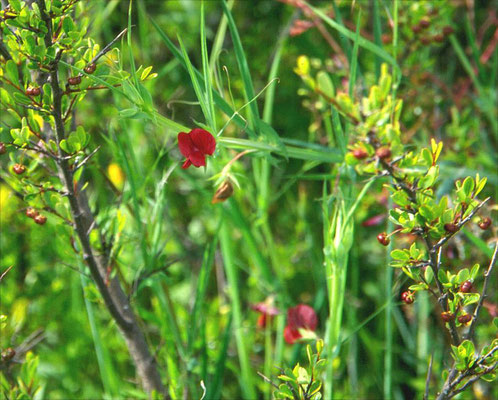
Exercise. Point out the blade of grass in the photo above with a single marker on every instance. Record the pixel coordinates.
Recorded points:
(227, 251)
(377, 28)
(107, 373)
(243, 68)
(208, 85)
(366, 44)
(202, 283)
(214, 389)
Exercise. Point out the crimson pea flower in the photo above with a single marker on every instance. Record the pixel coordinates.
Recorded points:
(267, 311)
(301, 317)
(195, 145)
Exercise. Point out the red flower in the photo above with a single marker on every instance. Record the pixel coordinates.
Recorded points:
(267, 310)
(195, 145)
(299, 317)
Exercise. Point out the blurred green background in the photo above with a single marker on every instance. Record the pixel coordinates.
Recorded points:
(165, 220)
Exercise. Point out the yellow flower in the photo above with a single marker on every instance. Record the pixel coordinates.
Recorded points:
(116, 175)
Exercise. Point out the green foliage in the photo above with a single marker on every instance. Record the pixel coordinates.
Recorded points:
(298, 226)
(303, 383)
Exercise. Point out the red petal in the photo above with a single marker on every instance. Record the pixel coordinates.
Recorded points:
(197, 158)
(185, 144)
(307, 317)
(203, 140)
(302, 316)
(291, 335)
(186, 164)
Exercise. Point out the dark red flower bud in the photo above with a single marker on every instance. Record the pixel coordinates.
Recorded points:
(40, 219)
(439, 38)
(90, 68)
(424, 23)
(408, 297)
(74, 80)
(464, 318)
(485, 223)
(466, 287)
(8, 354)
(386, 38)
(31, 212)
(451, 228)
(425, 40)
(383, 152)
(359, 154)
(19, 169)
(447, 316)
(416, 29)
(448, 30)
(3, 148)
(383, 239)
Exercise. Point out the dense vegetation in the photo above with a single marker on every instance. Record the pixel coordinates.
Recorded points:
(237, 199)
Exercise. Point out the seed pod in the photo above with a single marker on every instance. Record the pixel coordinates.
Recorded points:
(450, 228)
(360, 154)
(485, 223)
(19, 169)
(447, 316)
(90, 68)
(8, 354)
(383, 152)
(74, 80)
(408, 297)
(383, 239)
(31, 212)
(224, 191)
(40, 219)
(3, 148)
(464, 318)
(466, 287)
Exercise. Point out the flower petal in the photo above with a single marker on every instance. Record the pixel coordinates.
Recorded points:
(203, 140)
(197, 158)
(185, 144)
(291, 335)
(302, 316)
(307, 317)
(186, 164)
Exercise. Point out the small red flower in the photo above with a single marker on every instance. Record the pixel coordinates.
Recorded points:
(267, 311)
(195, 145)
(299, 317)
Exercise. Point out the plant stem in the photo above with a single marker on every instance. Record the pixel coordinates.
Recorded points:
(114, 297)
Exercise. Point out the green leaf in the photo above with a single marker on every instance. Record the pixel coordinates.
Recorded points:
(400, 255)
(68, 24)
(64, 145)
(468, 186)
(324, 83)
